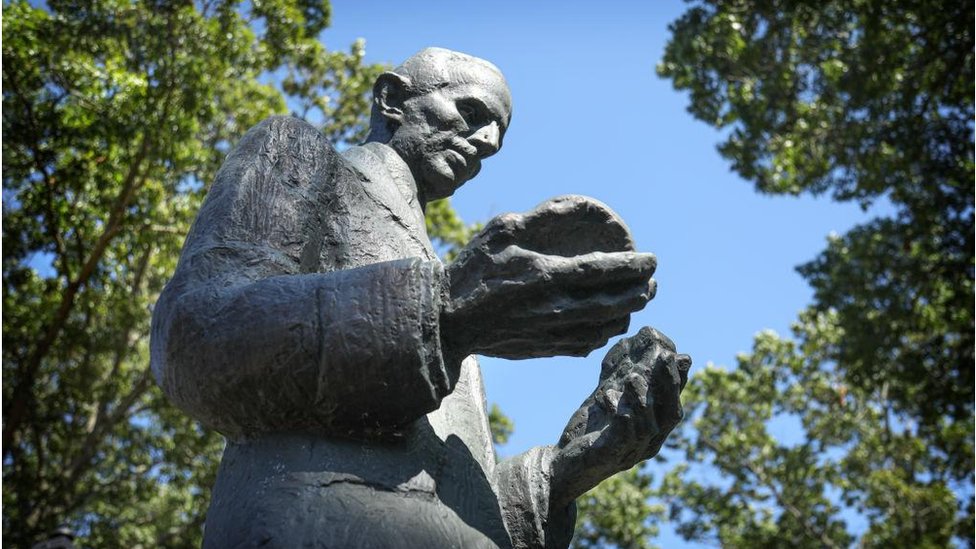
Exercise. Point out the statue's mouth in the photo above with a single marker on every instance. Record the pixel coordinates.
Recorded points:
(465, 166)
(457, 157)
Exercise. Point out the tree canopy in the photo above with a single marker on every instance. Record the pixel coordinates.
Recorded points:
(863, 100)
(859, 428)
(866, 101)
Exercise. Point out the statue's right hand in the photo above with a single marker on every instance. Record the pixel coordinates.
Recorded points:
(628, 416)
(560, 280)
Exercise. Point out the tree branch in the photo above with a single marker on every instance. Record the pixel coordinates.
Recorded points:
(22, 395)
(760, 474)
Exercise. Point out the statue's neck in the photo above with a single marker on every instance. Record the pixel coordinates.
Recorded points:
(380, 163)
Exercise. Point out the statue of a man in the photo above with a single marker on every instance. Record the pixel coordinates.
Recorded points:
(310, 322)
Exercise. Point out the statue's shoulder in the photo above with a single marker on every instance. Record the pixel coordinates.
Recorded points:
(285, 135)
(280, 151)
(270, 182)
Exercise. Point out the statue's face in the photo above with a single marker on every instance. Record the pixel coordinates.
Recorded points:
(445, 133)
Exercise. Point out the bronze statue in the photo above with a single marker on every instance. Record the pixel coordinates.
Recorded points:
(310, 322)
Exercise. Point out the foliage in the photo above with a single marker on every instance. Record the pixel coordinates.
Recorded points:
(618, 512)
(450, 231)
(501, 425)
(116, 114)
(845, 453)
(863, 100)
(866, 101)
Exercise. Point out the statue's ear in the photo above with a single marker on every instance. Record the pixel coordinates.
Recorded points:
(389, 93)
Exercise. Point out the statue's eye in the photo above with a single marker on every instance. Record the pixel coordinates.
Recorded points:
(469, 112)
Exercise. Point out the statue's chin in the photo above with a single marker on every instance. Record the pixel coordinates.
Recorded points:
(441, 180)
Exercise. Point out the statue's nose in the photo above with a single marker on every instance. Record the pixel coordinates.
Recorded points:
(487, 139)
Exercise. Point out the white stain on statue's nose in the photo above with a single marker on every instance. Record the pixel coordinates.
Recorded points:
(486, 139)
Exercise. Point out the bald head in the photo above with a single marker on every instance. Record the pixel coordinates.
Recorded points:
(442, 111)
(432, 68)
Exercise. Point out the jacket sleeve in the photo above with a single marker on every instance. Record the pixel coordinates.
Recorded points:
(248, 337)
(532, 518)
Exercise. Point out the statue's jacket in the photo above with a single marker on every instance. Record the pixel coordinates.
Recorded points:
(303, 323)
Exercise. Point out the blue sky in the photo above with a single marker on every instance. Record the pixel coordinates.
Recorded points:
(591, 117)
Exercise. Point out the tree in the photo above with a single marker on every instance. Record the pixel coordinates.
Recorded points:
(501, 426)
(116, 116)
(849, 456)
(863, 100)
(619, 512)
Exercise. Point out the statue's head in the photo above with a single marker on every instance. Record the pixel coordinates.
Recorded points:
(442, 112)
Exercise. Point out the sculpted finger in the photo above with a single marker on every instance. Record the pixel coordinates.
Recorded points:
(582, 338)
(654, 446)
(589, 306)
(511, 274)
(652, 339)
(572, 225)
(684, 366)
(516, 342)
(499, 232)
(522, 273)
(567, 225)
(636, 388)
(667, 388)
(600, 268)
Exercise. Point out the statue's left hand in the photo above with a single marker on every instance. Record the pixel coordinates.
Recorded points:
(561, 279)
(627, 418)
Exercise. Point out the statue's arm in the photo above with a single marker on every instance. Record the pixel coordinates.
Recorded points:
(623, 422)
(525, 493)
(351, 352)
(247, 337)
(559, 280)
